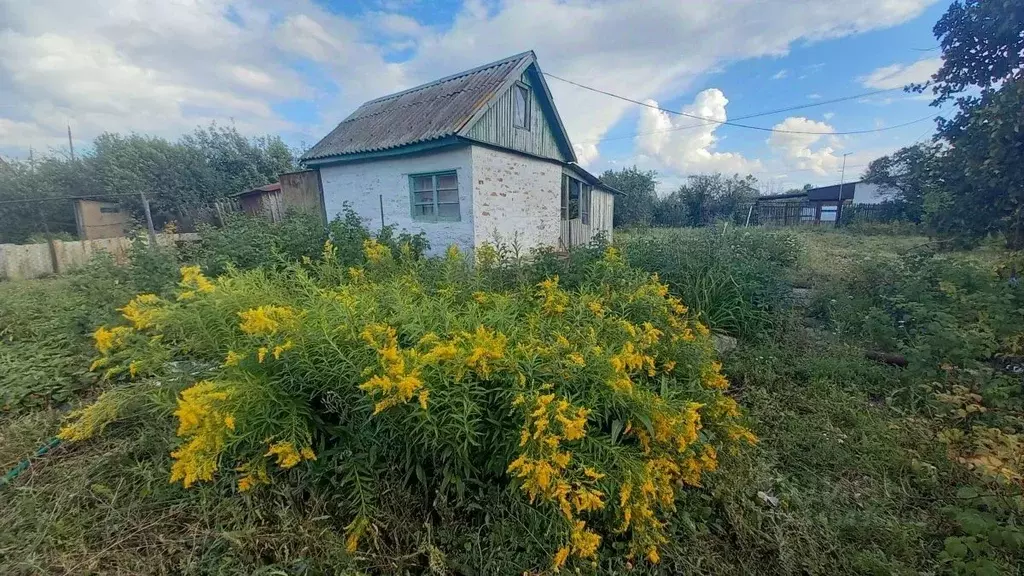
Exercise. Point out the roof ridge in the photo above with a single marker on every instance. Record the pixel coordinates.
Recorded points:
(452, 77)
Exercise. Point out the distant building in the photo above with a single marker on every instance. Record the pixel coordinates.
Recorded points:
(298, 191)
(467, 159)
(99, 219)
(817, 205)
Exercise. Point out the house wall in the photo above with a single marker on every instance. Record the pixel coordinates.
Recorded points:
(602, 211)
(364, 184)
(495, 126)
(516, 198)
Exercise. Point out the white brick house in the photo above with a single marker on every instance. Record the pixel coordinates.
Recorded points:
(475, 157)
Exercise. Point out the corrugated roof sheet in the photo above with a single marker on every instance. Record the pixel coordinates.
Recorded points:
(428, 112)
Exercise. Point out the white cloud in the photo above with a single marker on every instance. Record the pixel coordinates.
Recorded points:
(800, 145)
(828, 115)
(900, 75)
(780, 74)
(687, 145)
(814, 96)
(163, 67)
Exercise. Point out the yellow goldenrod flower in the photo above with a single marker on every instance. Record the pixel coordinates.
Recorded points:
(193, 282)
(261, 354)
(560, 558)
(553, 300)
(233, 358)
(375, 251)
(278, 350)
(143, 311)
(267, 320)
(106, 340)
(229, 422)
(287, 455)
(652, 555)
(307, 453)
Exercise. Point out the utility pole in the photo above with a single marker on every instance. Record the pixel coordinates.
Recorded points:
(842, 179)
(149, 221)
(71, 144)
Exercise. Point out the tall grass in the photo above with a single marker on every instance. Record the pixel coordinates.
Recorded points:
(736, 279)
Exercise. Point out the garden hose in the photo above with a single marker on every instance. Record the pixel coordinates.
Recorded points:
(23, 465)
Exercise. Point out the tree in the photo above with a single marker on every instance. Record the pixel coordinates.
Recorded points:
(982, 50)
(705, 198)
(907, 176)
(638, 187)
(199, 168)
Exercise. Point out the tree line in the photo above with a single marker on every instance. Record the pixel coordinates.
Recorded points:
(197, 169)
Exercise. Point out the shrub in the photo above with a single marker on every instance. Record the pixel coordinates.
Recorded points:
(408, 383)
(734, 279)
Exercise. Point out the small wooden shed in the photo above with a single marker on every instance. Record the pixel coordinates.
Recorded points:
(265, 201)
(99, 219)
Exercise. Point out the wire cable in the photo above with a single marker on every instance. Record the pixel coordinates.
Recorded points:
(736, 124)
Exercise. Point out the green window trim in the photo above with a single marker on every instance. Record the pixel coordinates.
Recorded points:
(443, 203)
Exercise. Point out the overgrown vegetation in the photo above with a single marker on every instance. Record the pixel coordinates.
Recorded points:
(861, 466)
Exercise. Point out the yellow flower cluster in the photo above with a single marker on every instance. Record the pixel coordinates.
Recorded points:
(143, 311)
(109, 339)
(628, 361)
(711, 376)
(543, 469)
(288, 456)
(553, 300)
(91, 419)
(193, 282)
(267, 320)
(375, 252)
(201, 420)
(398, 384)
(487, 347)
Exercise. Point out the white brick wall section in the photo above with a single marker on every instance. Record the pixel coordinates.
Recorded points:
(362, 184)
(517, 198)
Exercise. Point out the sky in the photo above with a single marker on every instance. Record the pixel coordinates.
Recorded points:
(298, 67)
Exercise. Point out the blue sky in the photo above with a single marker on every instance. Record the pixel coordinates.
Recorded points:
(297, 67)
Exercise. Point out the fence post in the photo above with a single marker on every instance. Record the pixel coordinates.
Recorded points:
(149, 221)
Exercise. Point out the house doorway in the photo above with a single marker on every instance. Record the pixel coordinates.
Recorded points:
(576, 210)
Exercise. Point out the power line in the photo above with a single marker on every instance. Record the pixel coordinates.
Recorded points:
(55, 198)
(766, 113)
(738, 125)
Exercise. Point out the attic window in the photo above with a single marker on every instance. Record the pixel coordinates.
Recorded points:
(521, 106)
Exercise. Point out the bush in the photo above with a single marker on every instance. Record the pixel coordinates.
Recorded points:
(409, 387)
(734, 279)
(246, 242)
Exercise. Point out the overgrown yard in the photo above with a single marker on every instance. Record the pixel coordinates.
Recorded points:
(355, 408)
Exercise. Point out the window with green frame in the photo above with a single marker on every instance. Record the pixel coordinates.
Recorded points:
(435, 197)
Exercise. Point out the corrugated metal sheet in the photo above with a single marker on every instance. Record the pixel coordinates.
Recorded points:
(421, 114)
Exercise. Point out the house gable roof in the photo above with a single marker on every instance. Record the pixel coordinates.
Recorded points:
(433, 113)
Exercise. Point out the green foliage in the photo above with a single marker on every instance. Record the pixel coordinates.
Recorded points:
(704, 199)
(734, 279)
(410, 379)
(636, 204)
(44, 327)
(981, 69)
(911, 173)
(201, 167)
(246, 242)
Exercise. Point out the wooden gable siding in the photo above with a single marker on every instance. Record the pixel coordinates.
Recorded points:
(495, 126)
